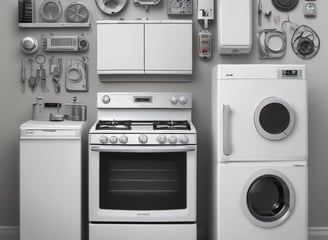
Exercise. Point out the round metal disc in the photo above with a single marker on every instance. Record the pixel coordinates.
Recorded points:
(77, 13)
(111, 7)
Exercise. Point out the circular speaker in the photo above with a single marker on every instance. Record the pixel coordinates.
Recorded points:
(285, 5)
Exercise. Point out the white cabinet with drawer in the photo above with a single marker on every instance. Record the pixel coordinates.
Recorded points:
(144, 47)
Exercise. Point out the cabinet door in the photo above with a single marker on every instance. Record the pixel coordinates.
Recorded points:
(120, 48)
(168, 48)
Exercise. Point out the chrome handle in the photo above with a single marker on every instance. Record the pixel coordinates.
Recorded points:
(142, 149)
(226, 127)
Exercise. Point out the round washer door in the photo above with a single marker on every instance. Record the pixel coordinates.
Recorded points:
(274, 119)
(268, 199)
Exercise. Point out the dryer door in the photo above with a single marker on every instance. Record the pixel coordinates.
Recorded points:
(274, 119)
(268, 199)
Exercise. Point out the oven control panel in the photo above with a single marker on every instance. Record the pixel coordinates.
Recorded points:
(145, 100)
(143, 139)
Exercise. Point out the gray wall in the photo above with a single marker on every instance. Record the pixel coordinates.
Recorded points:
(17, 107)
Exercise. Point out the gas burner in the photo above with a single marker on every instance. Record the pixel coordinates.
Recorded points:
(113, 125)
(175, 125)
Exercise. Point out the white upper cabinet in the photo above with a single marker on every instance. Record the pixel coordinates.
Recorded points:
(120, 48)
(168, 48)
(144, 47)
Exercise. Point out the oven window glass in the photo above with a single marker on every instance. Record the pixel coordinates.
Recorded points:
(268, 198)
(143, 181)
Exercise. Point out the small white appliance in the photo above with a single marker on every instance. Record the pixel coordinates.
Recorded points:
(142, 167)
(51, 205)
(259, 152)
(234, 26)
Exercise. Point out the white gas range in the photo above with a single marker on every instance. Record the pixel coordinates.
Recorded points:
(142, 167)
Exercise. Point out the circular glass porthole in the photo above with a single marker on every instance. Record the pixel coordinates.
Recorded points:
(274, 118)
(269, 199)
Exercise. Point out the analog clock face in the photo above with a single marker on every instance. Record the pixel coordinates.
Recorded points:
(179, 7)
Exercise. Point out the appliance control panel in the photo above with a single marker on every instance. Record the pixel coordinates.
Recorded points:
(145, 100)
(290, 73)
(143, 139)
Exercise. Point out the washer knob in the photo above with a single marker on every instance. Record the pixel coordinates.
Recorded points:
(105, 99)
(173, 139)
(124, 139)
(183, 100)
(161, 139)
(103, 139)
(184, 139)
(113, 139)
(174, 100)
(143, 138)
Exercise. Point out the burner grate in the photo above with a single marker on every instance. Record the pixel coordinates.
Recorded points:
(113, 125)
(174, 125)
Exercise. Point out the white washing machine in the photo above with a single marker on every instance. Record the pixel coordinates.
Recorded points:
(259, 152)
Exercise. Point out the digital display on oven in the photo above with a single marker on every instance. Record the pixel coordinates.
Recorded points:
(143, 99)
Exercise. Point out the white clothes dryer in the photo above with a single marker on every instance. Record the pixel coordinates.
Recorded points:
(259, 153)
(259, 113)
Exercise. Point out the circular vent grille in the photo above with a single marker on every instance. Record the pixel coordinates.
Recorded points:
(284, 5)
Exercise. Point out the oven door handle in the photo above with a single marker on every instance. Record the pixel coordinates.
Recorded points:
(143, 149)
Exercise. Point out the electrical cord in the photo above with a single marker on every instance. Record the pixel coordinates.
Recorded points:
(264, 46)
(305, 42)
(284, 5)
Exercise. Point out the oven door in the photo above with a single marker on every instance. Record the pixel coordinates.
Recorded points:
(142, 183)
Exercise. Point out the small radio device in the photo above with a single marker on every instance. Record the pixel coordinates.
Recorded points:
(65, 44)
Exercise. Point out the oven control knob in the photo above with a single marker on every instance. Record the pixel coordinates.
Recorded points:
(173, 139)
(143, 138)
(103, 139)
(105, 99)
(113, 139)
(174, 100)
(124, 139)
(183, 100)
(161, 139)
(184, 139)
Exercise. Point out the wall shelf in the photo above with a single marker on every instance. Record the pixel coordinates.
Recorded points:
(54, 25)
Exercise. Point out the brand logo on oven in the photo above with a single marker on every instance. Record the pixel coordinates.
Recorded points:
(229, 74)
(143, 214)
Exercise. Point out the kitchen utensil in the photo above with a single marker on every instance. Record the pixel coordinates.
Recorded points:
(41, 72)
(42, 110)
(75, 111)
(23, 75)
(32, 80)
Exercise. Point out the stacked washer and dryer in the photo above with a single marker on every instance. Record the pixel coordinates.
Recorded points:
(259, 152)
